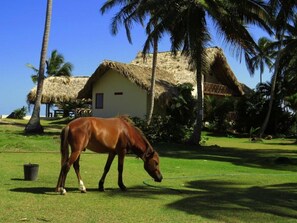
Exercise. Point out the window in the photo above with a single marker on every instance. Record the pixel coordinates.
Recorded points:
(118, 93)
(99, 101)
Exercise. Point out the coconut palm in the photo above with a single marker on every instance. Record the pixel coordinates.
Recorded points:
(55, 66)
(283, 12)
(186, 22)
(262, 59)
(34, 125)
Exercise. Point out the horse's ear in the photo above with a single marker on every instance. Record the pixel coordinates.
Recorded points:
(150, 154)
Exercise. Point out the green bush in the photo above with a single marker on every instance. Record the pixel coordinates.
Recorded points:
(19, 113)
(177, 124)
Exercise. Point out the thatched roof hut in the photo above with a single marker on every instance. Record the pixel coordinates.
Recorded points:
(139, 75)
(171, 71)
(58, 89)
(219, 78)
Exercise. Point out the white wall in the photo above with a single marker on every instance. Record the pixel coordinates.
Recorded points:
(132, 102)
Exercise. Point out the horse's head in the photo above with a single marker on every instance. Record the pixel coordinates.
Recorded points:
(151, 165)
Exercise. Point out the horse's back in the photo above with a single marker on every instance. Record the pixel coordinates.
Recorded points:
(97, 134)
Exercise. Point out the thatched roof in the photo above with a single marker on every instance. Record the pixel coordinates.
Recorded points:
(140, 75)
(58, 89)
(171, 71)
(219, 78)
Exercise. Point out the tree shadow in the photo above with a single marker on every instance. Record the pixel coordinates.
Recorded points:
(220, 200)
(257, 158)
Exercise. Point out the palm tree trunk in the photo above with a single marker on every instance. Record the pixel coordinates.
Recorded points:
(153, 80)
(196, 136)
(273, 84)
(34, 125)
(272, 95)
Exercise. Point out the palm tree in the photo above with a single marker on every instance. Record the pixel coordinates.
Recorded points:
(34, 125)
(136, 11)
(283, 12)
(264, 57)
(186, 23)
(55, 66)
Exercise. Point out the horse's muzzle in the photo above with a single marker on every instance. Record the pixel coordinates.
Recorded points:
(159, 178)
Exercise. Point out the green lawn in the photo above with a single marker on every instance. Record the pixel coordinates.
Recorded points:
(229, 180)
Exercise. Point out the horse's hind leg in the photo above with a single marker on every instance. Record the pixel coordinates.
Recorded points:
(110, 158)
(65, 169)
(81, 185)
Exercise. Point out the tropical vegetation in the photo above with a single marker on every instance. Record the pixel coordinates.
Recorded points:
(187, 24)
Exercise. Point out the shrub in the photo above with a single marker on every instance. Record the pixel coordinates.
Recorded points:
(177, 124)
(19, 113)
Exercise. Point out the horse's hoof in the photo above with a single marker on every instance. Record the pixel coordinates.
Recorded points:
(101, 189)
(83, 191)
(63, 191)
(123, 188)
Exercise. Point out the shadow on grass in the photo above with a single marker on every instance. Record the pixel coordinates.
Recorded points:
(220, 200)
(137, 192)
(40, 190)
(257, 158)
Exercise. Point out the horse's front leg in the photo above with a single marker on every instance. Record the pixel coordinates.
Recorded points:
(110, 158)
(120, 170)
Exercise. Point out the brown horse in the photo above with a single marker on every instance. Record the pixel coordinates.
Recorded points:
(115, 136)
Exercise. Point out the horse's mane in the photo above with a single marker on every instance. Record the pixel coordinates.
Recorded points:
(132, 124)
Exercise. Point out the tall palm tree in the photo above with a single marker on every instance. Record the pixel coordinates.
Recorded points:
(187, 20)
(34, 125)
(186, 23)
(136, 11)
(283, 12)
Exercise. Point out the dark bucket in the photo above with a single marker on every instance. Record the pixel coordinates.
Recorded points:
(31, 171)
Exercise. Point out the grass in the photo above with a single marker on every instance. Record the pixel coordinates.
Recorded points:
(228, 180)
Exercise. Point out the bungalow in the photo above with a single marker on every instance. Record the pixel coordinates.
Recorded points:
(118, 88)
(58, 90)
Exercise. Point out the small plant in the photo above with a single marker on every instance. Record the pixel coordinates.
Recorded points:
(203, 140)
(19, 113)
(253, 134)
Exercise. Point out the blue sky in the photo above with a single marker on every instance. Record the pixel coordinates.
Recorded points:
(81, 34)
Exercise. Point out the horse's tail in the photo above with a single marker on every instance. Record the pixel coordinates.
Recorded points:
(64, 145)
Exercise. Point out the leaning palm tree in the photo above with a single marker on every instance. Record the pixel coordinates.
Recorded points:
(34, 125)
(283, 12)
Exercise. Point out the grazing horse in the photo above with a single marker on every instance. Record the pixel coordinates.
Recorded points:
(115, 136)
